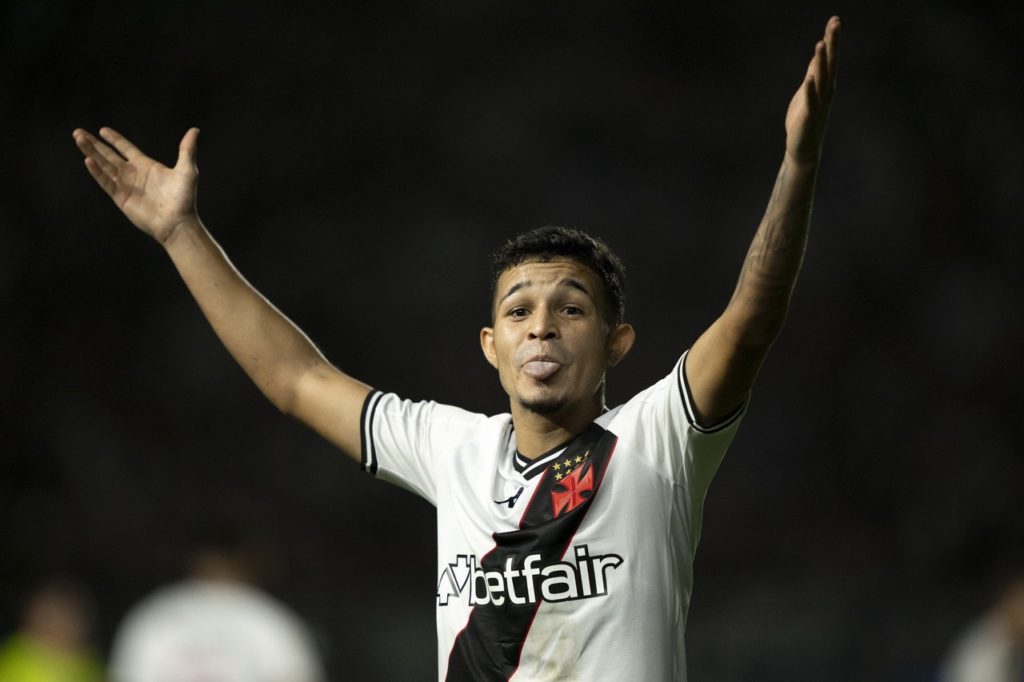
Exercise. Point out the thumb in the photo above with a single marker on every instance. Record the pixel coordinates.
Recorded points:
(187, 150)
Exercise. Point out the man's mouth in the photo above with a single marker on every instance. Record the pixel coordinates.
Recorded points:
(540, 369)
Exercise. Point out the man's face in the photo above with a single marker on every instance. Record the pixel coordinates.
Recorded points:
(550, 341)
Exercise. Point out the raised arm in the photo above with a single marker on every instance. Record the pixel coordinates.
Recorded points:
(723, 362)
(276, 355)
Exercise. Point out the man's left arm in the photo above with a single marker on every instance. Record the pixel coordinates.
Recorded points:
(723, 362)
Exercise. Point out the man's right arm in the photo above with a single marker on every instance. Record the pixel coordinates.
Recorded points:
(278, 357)
(276, 354)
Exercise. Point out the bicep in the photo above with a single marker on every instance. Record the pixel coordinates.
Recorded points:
(721, 368)
(331, 403)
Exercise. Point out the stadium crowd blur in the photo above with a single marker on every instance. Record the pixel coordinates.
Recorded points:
(54, 640)
(359, 162)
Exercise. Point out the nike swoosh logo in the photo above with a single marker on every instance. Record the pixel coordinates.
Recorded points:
(511, 502)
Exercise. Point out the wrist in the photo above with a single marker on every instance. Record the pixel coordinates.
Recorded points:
(802, 162)
(181, 232)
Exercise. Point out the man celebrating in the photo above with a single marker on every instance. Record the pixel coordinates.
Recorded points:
(567, 531)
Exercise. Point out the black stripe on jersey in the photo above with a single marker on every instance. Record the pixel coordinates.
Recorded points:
(489, 647)
(691, 412)
(369, 448)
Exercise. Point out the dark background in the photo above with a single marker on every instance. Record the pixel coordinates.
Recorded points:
(359, 162)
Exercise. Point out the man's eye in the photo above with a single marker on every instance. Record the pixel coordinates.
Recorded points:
(518, 312)
(572, 310)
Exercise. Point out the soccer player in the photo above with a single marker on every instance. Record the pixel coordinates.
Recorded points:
(566, 531)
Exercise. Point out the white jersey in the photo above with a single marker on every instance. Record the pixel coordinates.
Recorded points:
(206, 631)
(576, 565)
(986, 652)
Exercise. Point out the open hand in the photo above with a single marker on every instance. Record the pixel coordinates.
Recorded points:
(807, 115)
(157, 199)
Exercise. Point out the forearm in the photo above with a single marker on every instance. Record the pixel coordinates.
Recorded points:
(760, 301)
(724, 361)
(268, 346)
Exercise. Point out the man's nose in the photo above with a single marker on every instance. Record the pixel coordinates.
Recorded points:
(543, 325)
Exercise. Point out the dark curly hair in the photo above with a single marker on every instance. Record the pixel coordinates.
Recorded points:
(555, 241)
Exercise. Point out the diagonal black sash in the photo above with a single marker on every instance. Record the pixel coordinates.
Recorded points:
(488, 648)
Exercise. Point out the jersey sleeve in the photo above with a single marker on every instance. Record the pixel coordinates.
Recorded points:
(662, 423)
(404, 442)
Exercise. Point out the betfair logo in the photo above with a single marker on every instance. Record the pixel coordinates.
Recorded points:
(526, 582)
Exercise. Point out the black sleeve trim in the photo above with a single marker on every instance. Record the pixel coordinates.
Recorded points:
(690, 410)
(367, 445)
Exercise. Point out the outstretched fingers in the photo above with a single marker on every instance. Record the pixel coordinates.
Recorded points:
(821, 72)
(831, 53)
(102, 162)
(819, 68)
(94, 149)
(120, 143)
(102, 178)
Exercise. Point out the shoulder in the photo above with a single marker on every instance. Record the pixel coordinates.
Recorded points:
(191, 608)
(198, 600)
(380, 404)
(669, 401)
(414, 436)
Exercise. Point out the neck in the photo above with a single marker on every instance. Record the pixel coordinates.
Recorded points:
(539, 433)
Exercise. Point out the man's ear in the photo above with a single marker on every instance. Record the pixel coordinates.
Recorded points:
(620, 341)
(487, 345)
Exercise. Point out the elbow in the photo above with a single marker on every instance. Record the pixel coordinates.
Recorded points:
(299, 387)
(284, 398)
(283, 389)
(762, 334)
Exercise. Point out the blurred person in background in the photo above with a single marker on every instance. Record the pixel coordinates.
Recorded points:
(216, 625)
(992, 648)
(53, 642)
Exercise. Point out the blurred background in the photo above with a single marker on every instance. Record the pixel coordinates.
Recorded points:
(361, 160)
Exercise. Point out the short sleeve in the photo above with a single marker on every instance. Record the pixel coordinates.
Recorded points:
(661, 424)
(405, 441)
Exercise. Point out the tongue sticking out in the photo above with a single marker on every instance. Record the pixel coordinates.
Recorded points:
(540, 369)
